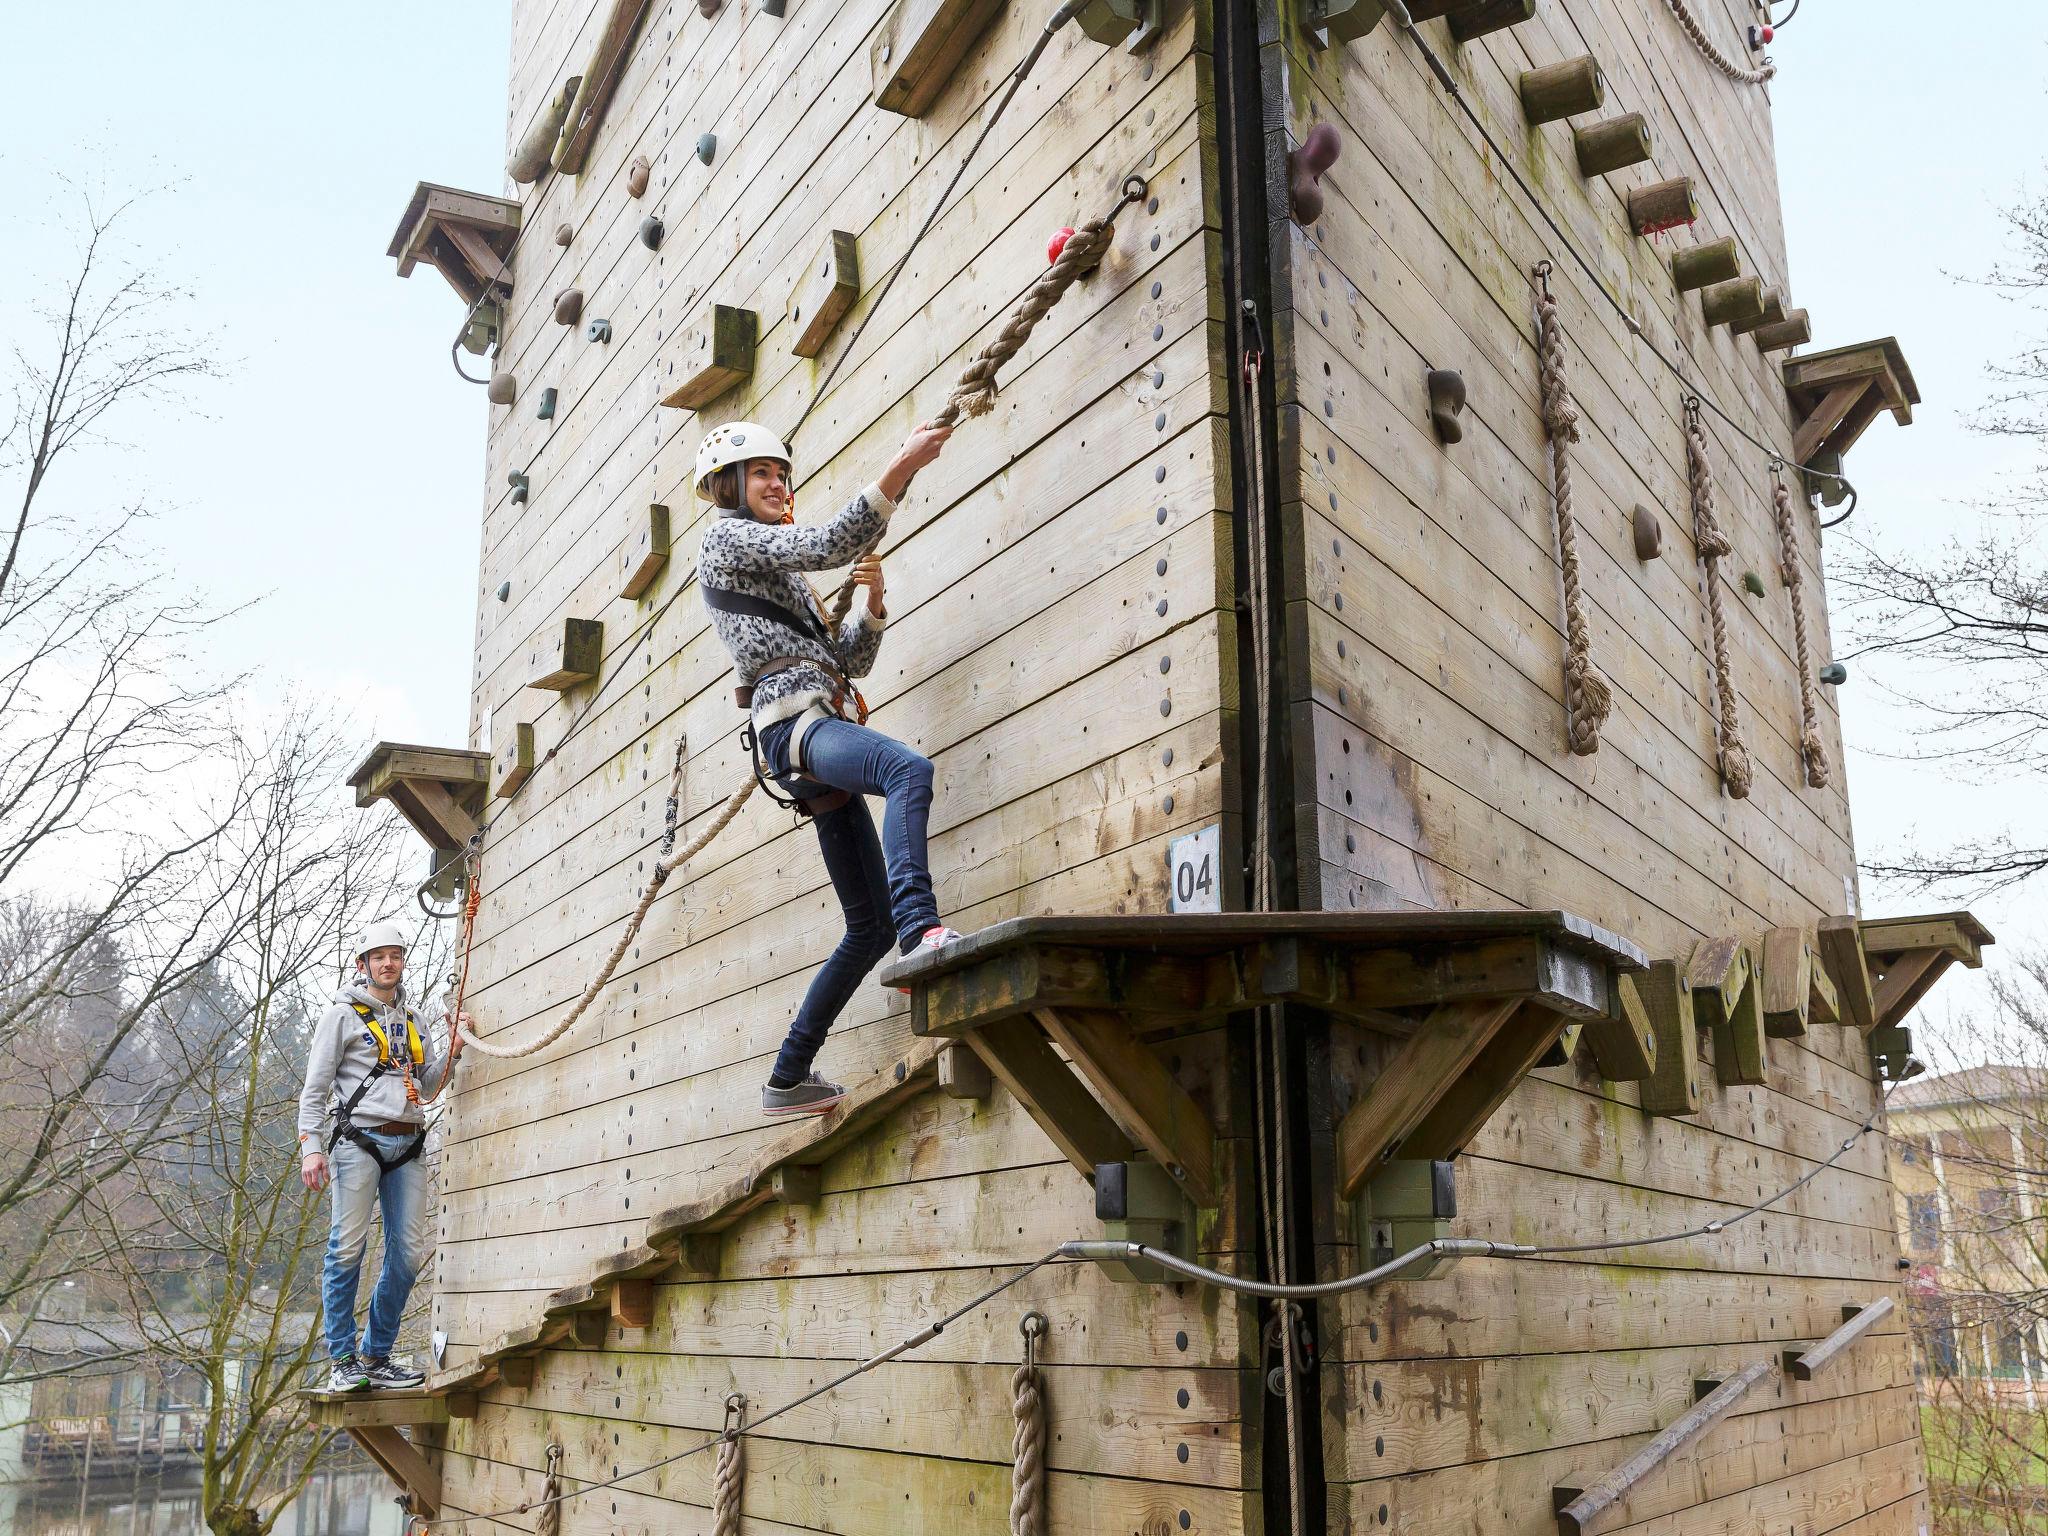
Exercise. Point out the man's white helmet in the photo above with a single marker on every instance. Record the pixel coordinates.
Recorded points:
(735, 443)
(379, 935)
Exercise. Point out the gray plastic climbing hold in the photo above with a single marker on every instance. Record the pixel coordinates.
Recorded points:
(651, 232)
(1834, 672)
(504, 590)
(547, 405)
(598, 330)
(707, 146)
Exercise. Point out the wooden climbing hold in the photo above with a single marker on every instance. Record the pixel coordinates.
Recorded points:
(831, 283)
(1792, 331)
(920, 46)
(1648, 530)
(1342, 21)
(568, 306)
(637, 176)
(1624, 1043)
(1697, 266)
(1446, 388)
(645, 555)
(1773, 312)
(503, 389)
(1305, 167)
(575, 656)
(1673, 1087)
(1740, 298)
(717, 353)
(1725, 997)
(1558, 91)
(633, 1303)
(512, 765)
(1610, 145)
(1662, 205)
(536, 148)
(1489, 16)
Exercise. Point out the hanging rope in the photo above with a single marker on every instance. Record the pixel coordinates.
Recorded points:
(1811, 750)
(1027, 1445)
(1713, 55)
(1587, 698)
(1712, 545)
(549, 1521)
(975, 393)
(731, 1471)
(665, 865)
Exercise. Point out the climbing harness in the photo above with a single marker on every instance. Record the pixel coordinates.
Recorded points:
(1587, 697)
(1812, 752)
(1027, 1442)
(345, 1128)
(730, 1474)
(1740, 74)
(1712, 547)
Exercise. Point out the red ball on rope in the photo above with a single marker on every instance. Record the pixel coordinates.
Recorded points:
(1056, 244)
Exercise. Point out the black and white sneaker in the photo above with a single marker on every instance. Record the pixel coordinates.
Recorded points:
(347, 1373)
(812, 1096)
(385, 1376)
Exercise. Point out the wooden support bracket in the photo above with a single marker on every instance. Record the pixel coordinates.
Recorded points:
(1666, 996)
(576, 656)
(1451, 1039)
(1856, 1322)
(920, 47)
(1841, 951)
(1625, 1042)
(1725, 998)
(589, 1330)
(1837, 393)
(645, 553)
(403, 1464)
(962, 1074)
(799, 1184)
(466, 236)
(830, 285)
(717, 353)
(516, 1371)
(1141, 1094)
(1016, 1052)
(439, 790)
(633, 1303)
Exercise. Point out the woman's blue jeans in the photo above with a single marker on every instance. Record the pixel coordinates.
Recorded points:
(884, 885)
(358, 1188)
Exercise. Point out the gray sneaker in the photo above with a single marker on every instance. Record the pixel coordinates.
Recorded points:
(812, 1096)
(347, 1374)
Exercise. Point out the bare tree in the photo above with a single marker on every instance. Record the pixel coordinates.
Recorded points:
(1975, 614)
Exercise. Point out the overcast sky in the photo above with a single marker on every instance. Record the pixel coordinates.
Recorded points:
(335, 471)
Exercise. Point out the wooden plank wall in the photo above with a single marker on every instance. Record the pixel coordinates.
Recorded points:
(1427, 628)
(1061, 646)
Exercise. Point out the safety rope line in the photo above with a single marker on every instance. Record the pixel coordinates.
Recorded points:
(1811, 749)
(1027, 1441)
(1714, 56)
(1712, 546)
(1587, 697)
(1098, 1251)
(728, 1477)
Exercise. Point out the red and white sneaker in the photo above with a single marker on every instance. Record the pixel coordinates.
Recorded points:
(933, 938)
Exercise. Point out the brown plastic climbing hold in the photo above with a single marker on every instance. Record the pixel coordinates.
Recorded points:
(709, 8)
(568, 306)
(564, 234)
(637, 175)
(1305, 167)
(1648, 529)
(504, 389)
(1446, 403)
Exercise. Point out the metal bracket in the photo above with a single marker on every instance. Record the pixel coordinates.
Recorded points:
(1134, 23)
(1407, 1203)
(1343, 21)
(1139, 1202)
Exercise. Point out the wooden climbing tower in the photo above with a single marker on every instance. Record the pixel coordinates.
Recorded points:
(1347, 866)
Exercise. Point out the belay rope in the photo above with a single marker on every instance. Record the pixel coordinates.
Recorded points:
(1812, 752)
(1587, 698)
(1712, 546)
(973, 395)
(1027, 1444)
(729, 1476)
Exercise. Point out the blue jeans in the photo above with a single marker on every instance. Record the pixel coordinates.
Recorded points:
(357, 1187)
(884, 885)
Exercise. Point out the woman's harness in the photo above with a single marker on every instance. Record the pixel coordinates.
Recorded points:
(344, 1125)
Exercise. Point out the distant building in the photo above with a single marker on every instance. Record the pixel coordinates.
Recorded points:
(1966, 1154)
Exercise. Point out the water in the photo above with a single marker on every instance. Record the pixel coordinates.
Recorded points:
(336, 1502)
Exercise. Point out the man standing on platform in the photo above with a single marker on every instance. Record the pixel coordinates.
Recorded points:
(362, 1122)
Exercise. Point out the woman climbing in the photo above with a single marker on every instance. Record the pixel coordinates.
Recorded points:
(796, 677)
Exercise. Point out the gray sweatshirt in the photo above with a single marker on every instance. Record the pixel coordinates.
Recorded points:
(342, 1054)
(742, 554)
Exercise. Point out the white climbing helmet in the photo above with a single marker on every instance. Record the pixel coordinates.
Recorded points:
(379, 935)
(735, 443)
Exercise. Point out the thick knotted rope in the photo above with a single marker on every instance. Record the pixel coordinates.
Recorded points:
(1027, 1445)
(549, 1521)
(730, 1474)
(1713, 546)
(1811, 751)
(975, 393)
(1587, 698)
(666, 864)
(1713, 55)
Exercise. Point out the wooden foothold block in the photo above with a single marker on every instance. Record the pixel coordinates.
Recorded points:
(830, 285)
(1625, 1042)
(1557, 91)
(1787, 982)
(513, 764)
(516, 1372)
(1605, 147)
(645, 554)
(1725, 997)
(1792, 331)
(718, 352)
(1699, 265)
(1662, 205)
(1841, 949)
(1673, 1088)
(962, 1074)
(799, 1183)
(697, 1255)
(1489, 16)
(588, 1329)
(1773, 312)
(577, 656)
(1740, 298)
(633, 1303)
(920, 48)
(461, 1405)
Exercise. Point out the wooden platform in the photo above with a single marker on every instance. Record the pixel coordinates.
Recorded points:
(373, 1420)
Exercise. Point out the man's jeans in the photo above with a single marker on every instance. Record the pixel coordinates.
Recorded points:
(357, 1188)
(884, 885)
